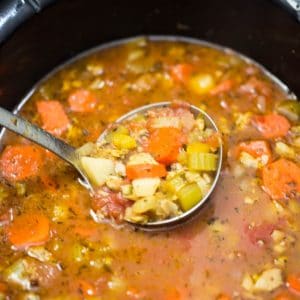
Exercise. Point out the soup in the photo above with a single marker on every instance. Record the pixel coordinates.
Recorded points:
(244, 244)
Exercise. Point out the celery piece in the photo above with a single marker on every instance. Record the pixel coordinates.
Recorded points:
(197, 147)
(202, 161)
(123, 141)
(174, 184)
(189, 196)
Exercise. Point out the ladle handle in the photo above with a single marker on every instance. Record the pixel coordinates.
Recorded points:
(14, 12)
(37, 135)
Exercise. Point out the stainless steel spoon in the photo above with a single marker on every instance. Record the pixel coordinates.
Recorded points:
(188, 215)
(44, 139)
(69, 154)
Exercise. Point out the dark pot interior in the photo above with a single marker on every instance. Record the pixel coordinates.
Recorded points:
(258, 28)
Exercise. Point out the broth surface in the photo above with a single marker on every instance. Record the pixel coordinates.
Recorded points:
(245, 231)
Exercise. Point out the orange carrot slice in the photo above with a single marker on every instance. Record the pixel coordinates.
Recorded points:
(82, 101)
(281, 178)
(272, 126)
(28, 230)
(293, 282)
(145, 170)
(20, 162)
(53, 116)
(164, 144)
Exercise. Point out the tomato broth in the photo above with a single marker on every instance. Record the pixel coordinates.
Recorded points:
(244, 244)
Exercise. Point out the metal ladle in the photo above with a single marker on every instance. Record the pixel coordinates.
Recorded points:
(70, 155)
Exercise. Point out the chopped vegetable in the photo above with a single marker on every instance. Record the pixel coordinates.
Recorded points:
(145, 170)
(269, 280)
(202, 161)
(82, 101)
(254, 154)
(281, 178)
(272, 126)
(197, 147)
(29, 230)
(20, 162)
(19, 274)
(53, 116)
(123, 141)
(284, 150)
(290, 109)
(164, 144)
(181, 72)
(202, 84)
(256, 149)
(97, 169)
(144, 187)
(293, 282)
(174, 184)
(189, 196)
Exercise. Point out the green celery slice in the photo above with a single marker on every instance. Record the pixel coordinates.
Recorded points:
(189, 196)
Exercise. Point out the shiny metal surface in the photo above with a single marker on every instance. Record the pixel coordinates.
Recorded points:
(42, 138)
(188, 215)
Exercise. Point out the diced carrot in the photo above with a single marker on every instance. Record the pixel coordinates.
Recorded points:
(181, 72)
(293, 282)
(3, 287)
(222, 87)
(85, 288)
(28, 230)
(145, 170)
(164, 144)
(272, 126)
(53, 116)
(256, 149)
(82, 101)
(20, 162)
(281, 178)
(283, 296)
(223, 297)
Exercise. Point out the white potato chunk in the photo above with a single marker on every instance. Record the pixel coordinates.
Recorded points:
(141, 158)
(98, 169)
(145, 187)
(248, 283)
(269, 280)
